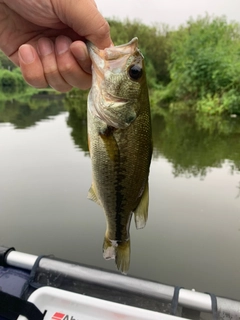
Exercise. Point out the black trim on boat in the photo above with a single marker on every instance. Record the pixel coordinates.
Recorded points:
(4, 251)
(11, 307)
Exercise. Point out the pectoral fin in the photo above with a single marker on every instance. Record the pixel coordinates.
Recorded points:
(92, 195)
(141, 212)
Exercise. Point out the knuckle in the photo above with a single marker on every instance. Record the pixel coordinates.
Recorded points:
(50, 70)
(37, 81)
(56, 80)
(67, 68)
(104, 29)
(61, 87)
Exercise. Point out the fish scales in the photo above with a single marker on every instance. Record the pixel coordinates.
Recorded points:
(120, 144)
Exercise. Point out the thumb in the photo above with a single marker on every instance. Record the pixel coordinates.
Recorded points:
(85, 19)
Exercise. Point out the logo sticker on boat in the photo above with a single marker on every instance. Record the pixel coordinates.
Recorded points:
(62, 316)
(58, 316)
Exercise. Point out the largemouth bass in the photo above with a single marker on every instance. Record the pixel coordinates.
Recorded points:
(120, 144)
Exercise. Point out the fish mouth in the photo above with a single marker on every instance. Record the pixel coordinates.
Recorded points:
(113, 52)
(111, 58)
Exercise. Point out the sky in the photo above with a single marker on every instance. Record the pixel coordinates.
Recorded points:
(171, 12)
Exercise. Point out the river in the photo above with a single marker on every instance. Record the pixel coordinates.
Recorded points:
(192, 238)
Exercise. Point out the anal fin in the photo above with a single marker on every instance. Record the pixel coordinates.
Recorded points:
(141, 212)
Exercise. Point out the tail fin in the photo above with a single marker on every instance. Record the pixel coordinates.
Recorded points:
(120, 251)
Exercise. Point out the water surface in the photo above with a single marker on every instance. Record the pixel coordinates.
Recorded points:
(192, 238)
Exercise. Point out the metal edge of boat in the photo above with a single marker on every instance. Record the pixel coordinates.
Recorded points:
(226, 308)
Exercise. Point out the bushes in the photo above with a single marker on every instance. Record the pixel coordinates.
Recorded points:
(217, 104)
(231, 101)
(211, 105)
(11, 82)
(204, 64)
(7, 79)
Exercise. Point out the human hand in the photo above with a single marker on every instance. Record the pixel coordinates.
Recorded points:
(46, 39)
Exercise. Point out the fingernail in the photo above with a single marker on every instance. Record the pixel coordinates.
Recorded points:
(80, 52)
(62, 44)
(45, 46)
(26, 54)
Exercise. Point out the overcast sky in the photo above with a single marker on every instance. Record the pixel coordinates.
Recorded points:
(171, 12)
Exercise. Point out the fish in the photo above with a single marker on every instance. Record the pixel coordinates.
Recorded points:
(120, 144)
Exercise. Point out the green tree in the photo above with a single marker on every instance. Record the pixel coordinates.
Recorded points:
(5, 63)
(7, 79)
(205, 61)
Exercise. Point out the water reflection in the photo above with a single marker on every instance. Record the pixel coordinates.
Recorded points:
(77, 119)
(25, 111)
(191, 142)
(192, 145)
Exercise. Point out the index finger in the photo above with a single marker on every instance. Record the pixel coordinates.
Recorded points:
(85, 19)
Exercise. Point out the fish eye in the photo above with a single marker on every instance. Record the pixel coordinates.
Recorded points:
(135, 72)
